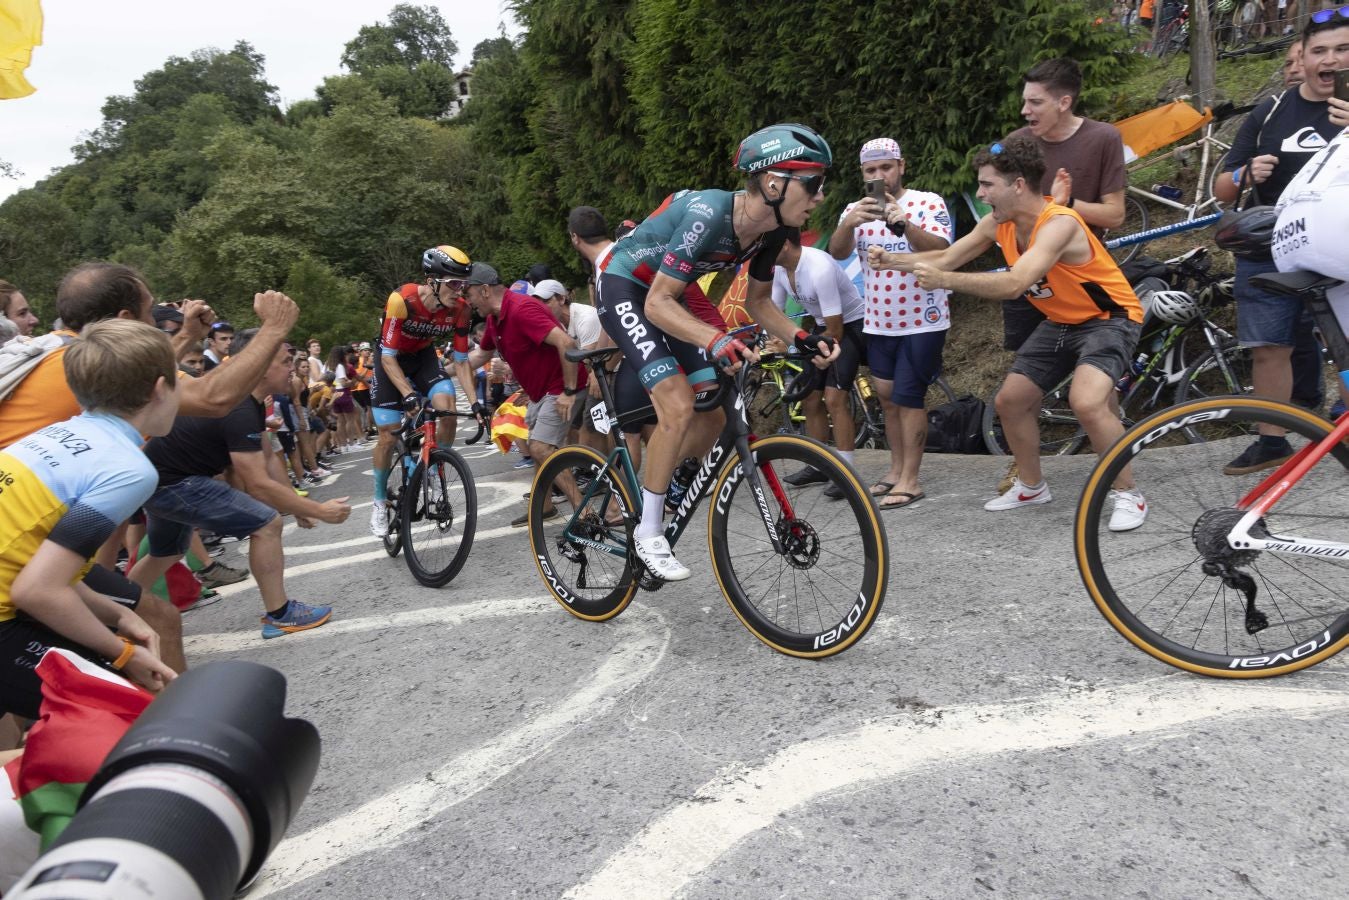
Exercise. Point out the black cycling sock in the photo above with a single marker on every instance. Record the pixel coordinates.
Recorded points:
(280, 613)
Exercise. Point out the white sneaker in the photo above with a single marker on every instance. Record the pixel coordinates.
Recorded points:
(1130, 510)
(1019, 495)
(379, 519)
(655, 553)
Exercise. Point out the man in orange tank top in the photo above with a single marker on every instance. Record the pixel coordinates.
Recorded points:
(1092, 317)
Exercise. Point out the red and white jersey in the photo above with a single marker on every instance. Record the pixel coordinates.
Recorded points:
(895, 304)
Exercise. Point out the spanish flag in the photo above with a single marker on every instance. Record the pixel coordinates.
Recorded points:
(508, 423)
(20, 32)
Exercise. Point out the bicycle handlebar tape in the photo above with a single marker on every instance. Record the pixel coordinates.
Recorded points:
(725, 351)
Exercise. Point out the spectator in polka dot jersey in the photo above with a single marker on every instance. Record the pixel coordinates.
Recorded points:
(905, 325)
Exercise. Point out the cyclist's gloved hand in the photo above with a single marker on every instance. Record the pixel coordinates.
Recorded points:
(806, 343)
(481, 412)
(411, 402)
(725, 351)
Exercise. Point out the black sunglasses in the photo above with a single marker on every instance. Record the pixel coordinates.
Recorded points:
(812, 183)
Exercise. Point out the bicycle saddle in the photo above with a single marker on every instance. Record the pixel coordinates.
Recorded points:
(1292, 284)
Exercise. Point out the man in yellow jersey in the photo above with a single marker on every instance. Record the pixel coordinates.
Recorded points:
(1092, 319)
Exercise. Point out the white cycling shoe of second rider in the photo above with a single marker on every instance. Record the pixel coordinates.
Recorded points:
(379, 519)
(654, 552)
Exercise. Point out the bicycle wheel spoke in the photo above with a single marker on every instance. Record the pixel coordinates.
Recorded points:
(819, 592)
(439, 514)
(581, 555)
(1177, 587)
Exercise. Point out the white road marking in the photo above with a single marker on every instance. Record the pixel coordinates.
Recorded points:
(447, 616)
(383, 822)
(674, 849)
(338, 562)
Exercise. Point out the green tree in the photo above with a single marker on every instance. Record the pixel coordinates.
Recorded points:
(413, 35)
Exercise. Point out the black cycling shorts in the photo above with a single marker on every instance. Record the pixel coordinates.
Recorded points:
(421, 368)
(852, 349)
(653, 355)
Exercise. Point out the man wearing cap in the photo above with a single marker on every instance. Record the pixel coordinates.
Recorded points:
(905, 324)
(523, 330)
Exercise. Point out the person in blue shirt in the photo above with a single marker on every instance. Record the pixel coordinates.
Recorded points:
(63, 490)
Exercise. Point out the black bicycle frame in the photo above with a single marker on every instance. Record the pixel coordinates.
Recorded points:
(734, 438)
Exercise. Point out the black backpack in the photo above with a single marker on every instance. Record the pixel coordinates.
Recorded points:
(957, 426)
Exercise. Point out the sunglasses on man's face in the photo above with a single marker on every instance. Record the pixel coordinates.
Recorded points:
(812, 183)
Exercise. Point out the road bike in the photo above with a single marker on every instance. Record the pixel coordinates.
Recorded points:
(1232, 575)
(1191, 345)
(775, 387)
(1212, 153)
(805, 574)
(433, 504)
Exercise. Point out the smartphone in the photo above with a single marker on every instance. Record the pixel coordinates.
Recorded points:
(1342, 84)
(876, 190)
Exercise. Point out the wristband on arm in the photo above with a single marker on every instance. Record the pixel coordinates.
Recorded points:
(128, 650)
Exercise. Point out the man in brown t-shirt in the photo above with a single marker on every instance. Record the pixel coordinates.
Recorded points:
(1084, 165)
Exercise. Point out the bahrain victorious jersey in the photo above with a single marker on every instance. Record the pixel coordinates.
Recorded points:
(410, 327)
(688, 236)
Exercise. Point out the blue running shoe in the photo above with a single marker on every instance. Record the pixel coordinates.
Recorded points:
(298, 617)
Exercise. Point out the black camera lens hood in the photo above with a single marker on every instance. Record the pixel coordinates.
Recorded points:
(227, 718)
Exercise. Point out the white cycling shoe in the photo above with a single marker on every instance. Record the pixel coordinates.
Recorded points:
(654, 552)
(379, 519)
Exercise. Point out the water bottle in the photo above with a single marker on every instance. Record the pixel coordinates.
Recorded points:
(1140, 363)
(679, 483)
(1167, 191)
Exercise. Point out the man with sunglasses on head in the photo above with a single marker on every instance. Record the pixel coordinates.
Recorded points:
(1092, 316)
(640, 301)
(407, 370)
(217, 345)
(905, 324)
(1275, 141)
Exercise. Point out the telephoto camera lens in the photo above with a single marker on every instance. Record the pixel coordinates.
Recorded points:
(192, 800)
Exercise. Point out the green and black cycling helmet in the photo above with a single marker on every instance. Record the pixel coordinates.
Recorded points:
(446, 262)
(784, 146)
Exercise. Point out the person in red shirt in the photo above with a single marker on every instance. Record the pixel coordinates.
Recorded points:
(521, 328)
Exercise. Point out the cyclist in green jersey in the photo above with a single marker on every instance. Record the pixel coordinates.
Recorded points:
(639, 300)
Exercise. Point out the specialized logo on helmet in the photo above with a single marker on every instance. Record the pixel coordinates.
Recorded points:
(777, 158)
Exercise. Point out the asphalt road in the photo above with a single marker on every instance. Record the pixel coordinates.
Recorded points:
(991, 735)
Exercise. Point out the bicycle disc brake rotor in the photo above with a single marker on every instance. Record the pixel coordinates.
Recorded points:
(800, 543)
(1210, 537)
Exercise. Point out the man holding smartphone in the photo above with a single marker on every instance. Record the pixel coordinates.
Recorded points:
(905, 325)
(1275, 141)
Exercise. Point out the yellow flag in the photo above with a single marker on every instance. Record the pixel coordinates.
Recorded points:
(20, 32)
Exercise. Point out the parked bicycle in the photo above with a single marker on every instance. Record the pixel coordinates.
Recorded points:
(1234, 576)
(805, 574)
(433, 503)
(1211, 150)
(771, 398)
(1186, 344)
